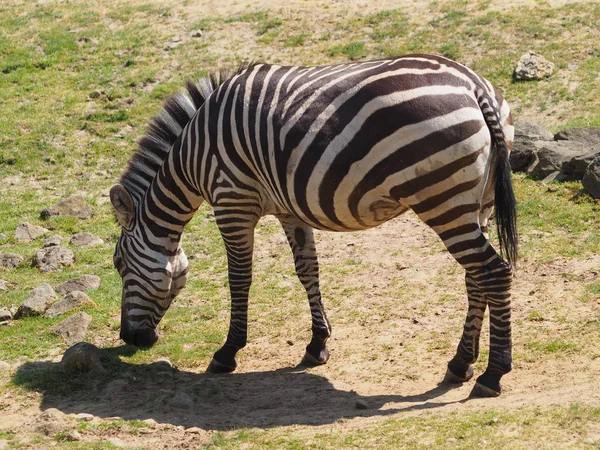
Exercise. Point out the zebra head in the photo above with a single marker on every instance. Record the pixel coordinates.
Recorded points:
(152, 274)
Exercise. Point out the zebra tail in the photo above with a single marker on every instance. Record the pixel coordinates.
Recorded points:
(505, 202)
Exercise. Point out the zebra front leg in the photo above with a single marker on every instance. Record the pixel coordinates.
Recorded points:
(301, 239)
(460, 369)
(238, 235)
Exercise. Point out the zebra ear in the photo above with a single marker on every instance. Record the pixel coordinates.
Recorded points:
(123, 204)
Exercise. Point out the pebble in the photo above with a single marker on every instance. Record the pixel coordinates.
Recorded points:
(85, 240)
(27, 232)
(53, 241)
(116, 442)
(361, 404)
(85, 417)
(150, 422)
(3, 286)
(194, 430)
(5, 315)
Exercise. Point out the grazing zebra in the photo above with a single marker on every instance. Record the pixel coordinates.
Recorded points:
(341, 148)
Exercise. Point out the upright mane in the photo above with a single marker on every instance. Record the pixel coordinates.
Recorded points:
(164, 129)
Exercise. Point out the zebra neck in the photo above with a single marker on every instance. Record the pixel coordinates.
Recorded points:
(171, 201)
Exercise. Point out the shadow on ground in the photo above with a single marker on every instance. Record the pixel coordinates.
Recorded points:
(288, 396)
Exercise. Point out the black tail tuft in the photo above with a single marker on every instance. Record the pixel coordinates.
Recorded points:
(505, 207)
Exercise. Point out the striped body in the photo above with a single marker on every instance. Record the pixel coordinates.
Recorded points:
(340, 148)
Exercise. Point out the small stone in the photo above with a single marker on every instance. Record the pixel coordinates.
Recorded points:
(532, 66)
(82, 283)
(194, 430)
(27, 232)
(415, 320)
(3, 286)
(361, 404)
(196, 33)
(10, 260)
(73, 328)
(5, 315)
(150, 422)
(290, 342)
(181, 400)
(53, 241)
(72, 436)
(4, 366)
(451, 440)
(82, 357)
(116, 442)
(2, 236)
(72, 300)
(53, 258)
(75, 206)
(86, 417)
(554, 176)
(116, 387)
(85, 240)
(37, 302)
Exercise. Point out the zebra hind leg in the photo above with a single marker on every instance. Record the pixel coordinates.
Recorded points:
(237, 231)
(488, 281)
(301, 239)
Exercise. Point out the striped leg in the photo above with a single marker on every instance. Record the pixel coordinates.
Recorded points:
(301, 239)
(238, 234)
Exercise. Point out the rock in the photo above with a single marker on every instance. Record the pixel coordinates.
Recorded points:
(524, 148)
(150, 422)
(181, 400)
(53, 258)
(5, 315)
(85, 240)
(37, 302)
(53, 241)
(196, 33)
(116, 442)
(86, 417)
(116, 387)
(72, 436)
(361, 404)
(82, 283)
(50, 422)
(71, 301)
(194, 430)
(27, 232)
(532, 66)
(162, 364)
(3, 285)
(73, 328)
(551, 156)
(74, 206)
(575, 168)
(82, 357)
(10, 260)
(4, 366)
(591, 179)
(587, 135)
(554, 176)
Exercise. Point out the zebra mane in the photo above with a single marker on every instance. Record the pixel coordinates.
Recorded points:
(164, 129)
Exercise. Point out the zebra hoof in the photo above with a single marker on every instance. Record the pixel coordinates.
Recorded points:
(482, 391)
(450, 377)
(217, 367)
(310, 361)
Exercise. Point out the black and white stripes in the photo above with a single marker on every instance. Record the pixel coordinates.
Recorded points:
(340, 148)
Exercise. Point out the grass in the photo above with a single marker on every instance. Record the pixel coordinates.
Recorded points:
(80, 81)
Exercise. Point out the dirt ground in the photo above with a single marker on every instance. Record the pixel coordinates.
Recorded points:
(396, 314)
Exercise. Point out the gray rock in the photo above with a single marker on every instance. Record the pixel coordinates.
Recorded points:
(75, 206)
(73, 328)
(27, 232)
(85, 240)
(51, 421)
(5, 315)
(587, 135)
(53, 241)
(53, 258)
(532, 66)
(73, 300)
(575, 168)
(116, 442)
(591, 179)
(86, 417)
(37, 302)
(551, 156)
(181, 400)
(524, 148)
(10, 260)
(82, 357)
(116, 387)
(72, 436)
(554, 176)
(82, 283)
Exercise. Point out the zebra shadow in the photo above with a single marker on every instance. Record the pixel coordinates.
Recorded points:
(287, 396)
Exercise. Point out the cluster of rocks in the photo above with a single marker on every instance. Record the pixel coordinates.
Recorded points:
(45, 301)
(572, 154)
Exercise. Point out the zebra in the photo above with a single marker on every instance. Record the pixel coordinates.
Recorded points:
(336, 147)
